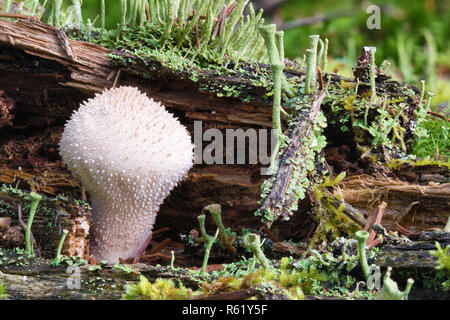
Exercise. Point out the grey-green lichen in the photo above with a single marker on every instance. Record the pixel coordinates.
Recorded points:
(35, 199)
(362, 237)
(390, 290)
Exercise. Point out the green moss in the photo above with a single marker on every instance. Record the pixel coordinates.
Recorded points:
(161, 289)
(398, 163)
(443, 260)
(3, 292)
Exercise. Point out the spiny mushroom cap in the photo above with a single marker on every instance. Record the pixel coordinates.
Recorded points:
(129, 153)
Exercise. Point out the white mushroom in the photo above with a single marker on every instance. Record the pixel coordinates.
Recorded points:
(129, 153)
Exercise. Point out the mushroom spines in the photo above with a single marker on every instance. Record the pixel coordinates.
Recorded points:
(129, 153)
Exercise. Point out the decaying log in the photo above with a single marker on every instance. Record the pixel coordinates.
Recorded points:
(415, 207)
(280, 200)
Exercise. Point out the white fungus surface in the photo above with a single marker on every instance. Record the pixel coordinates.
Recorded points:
(129, 153)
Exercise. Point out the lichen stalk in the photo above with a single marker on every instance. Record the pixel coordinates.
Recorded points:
(207, 252)
(361, 237)
(57, 13)
(253, 243)
(216, 214)
(78, 16)
(390, 290)
(34, 7)
(313, 43)
(191, 23)
(103, 14)
(320, 54)
(201, 221)
(372, 75)
(172, 259)
(170, 21)
(182, 12)
(35, 199)
(7, 5)
(384, 67)
(233, 20)
(325, 56)
(123, 13)
(268, 33)
(142, 14)
(277, 74)
(373, 89)
(310, 74)
(134, 11)
(205, 33)
(279, 38)
(152, 9)
(60, 245)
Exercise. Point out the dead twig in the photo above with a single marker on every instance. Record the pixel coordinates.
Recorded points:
(438, 115)
(142, 249)
(373, 220)
(160, 246)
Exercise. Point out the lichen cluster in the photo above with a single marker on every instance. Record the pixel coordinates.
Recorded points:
(174, 32)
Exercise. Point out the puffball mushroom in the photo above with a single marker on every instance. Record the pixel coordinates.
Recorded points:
(129, 153)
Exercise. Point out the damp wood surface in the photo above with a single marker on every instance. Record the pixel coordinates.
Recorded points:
(42, 81)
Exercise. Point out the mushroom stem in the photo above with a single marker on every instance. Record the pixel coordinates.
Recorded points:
(35, 199)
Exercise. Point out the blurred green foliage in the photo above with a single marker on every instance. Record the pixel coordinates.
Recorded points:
(348, 34)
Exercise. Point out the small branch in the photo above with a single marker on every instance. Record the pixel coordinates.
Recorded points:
(142, 249)
(438, 115)
(373, 220)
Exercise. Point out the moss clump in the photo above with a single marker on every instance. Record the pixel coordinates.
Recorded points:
(161, 289)
(443, 259)
(398, 163)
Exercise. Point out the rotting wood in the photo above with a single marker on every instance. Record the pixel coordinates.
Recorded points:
(428, 205)
(281, 197)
